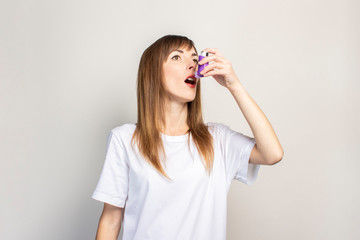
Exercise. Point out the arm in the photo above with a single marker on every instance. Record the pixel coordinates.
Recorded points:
(267, 150)
(109, 223)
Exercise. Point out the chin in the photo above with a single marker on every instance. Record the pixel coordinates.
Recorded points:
(184, 98)
(191, 98)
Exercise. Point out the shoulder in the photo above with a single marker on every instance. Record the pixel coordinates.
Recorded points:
(124, 131)
(216, 127)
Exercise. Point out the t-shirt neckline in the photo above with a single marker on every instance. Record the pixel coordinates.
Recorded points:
(179, 138)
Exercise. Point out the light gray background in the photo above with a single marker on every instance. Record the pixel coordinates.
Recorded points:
(68, 73)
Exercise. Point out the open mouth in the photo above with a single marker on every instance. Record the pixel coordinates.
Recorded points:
(191, 81)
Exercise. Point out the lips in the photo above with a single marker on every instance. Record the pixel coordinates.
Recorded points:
(191, 80)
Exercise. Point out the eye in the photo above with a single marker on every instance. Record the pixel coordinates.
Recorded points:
(195, 60)
(175, 56)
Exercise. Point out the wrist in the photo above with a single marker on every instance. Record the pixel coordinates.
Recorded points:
(235, 86)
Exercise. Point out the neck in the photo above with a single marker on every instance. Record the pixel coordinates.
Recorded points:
(175, 119)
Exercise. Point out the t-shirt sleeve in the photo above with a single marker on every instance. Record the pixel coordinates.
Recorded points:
(236, 149)
(112, 187)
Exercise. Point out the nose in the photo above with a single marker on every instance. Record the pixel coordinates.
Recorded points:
(192, 65)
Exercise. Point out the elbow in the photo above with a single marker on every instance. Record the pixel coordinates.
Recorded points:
(276, 158)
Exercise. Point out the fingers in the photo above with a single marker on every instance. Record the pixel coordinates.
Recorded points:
(211, 58)
(211, 67)
(214, 72)
(213, 51)
(217, 56)
(218, 66)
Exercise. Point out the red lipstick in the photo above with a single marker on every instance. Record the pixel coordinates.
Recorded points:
(191, 81)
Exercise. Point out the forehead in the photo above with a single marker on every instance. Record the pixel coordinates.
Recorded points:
(182, 50)
(181, 45)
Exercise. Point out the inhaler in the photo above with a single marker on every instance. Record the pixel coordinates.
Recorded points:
(201, 67)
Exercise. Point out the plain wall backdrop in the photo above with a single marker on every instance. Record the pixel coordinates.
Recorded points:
(68, 76)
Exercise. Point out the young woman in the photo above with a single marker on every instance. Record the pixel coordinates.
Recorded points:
(169, 174)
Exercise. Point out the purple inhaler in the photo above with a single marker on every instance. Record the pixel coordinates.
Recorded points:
(201, 67)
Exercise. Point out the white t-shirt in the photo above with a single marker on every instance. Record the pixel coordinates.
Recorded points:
(191, 207)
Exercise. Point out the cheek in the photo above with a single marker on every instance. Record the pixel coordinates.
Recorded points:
(172, 75)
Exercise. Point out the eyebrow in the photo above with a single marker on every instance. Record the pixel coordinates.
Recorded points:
(181, 51)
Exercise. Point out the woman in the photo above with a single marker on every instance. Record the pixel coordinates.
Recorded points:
(170, 172)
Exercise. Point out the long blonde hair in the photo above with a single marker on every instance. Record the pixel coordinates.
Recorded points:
(150, 98)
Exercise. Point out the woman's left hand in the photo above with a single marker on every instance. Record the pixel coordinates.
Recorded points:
(220, 69)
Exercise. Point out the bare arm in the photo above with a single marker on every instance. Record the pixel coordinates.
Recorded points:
(267, 150)
(109, 223)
